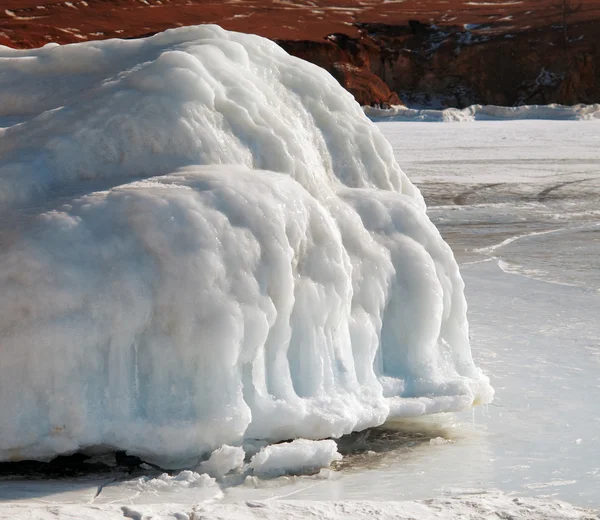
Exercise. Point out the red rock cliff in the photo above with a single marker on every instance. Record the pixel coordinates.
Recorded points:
(443, 53)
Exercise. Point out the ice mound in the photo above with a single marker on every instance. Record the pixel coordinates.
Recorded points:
(223, 460)
(486, 113)
(296, 457)
(205, 240)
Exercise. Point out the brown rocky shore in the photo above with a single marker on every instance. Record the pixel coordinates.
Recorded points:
(427, 52)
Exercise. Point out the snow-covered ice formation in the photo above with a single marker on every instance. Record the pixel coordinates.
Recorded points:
(486, 113)
(223, 460)
(204, 240)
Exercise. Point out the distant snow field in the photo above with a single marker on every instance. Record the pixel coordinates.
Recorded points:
(207, 247)
(486, 113)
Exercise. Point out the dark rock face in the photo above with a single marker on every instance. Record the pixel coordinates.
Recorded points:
(429, 52)
(77, 464)
(349, 61)
(452, 66)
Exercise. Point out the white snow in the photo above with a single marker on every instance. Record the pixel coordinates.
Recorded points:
(204, 240)
(296, 457)
(488, 112)
(12, 14)
(473, 504)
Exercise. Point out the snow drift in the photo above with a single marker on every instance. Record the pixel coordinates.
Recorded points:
(486, 113)
(204, 240)
(473, 504)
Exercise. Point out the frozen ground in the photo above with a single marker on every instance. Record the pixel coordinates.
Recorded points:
(518, 202)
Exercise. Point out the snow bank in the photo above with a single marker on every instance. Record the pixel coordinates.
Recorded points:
(474, 504)
(296, 457)
(205, 240)
(485, 113)
(471, 504)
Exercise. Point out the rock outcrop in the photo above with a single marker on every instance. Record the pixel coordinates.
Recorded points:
(429, 52)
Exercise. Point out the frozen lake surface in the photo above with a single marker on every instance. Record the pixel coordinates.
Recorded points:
(519, 204)
(518, 201)
(526, 231)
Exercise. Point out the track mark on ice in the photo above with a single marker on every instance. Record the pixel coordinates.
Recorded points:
(100, 488)
(278, 497)
(461, 198)
(543, 195)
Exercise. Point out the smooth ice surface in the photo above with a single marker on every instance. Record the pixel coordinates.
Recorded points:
(204, 240)
(518, 201)
(296, 457)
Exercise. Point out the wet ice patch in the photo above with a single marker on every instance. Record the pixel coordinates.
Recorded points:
(183, 487)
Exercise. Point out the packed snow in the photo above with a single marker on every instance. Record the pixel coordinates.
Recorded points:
(472, 504)
(485, 113)
(204, 240)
